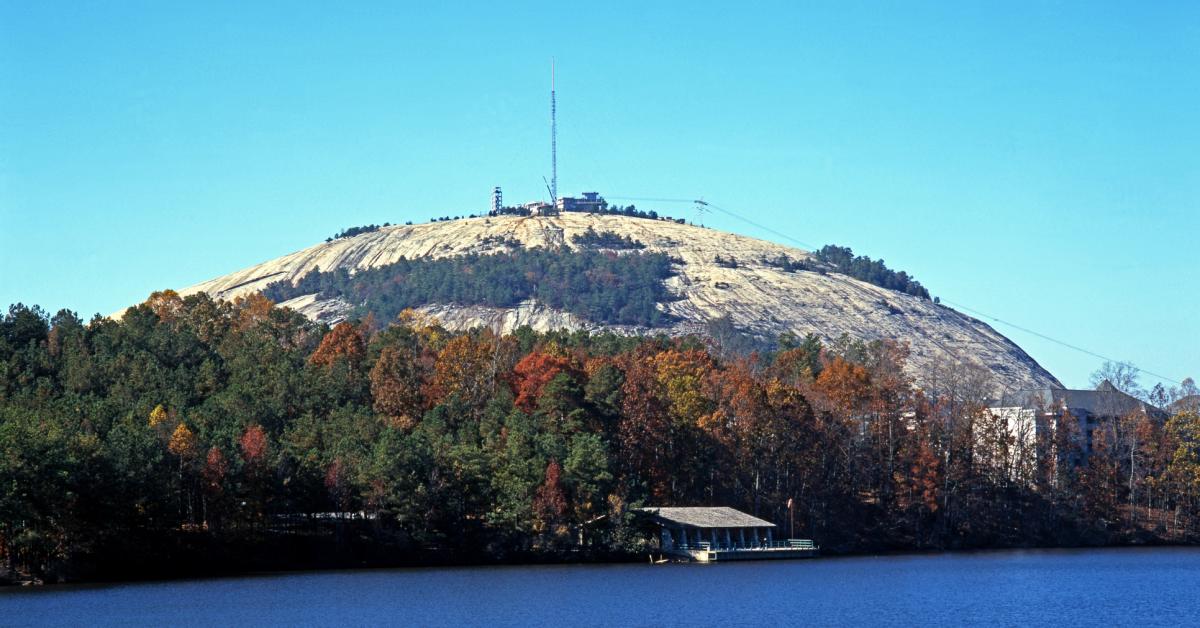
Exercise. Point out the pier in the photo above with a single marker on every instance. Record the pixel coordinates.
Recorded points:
(719, 534)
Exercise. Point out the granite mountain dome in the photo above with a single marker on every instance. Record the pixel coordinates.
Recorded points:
(714, 274)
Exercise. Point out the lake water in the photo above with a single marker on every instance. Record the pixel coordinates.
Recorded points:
(1144, 587)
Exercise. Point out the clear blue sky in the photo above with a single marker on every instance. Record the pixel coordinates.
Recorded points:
(1039, 161)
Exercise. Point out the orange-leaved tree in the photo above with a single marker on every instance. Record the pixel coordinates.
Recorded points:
(345, 342)
(397, 382)
(166, 304)
(534, 371)
(252, 310)
(845, 387)
(183, 442)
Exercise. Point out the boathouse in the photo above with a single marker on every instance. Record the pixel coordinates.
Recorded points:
(708, 534)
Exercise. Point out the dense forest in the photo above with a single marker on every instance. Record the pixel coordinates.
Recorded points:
(596, 285)
(633, 212)
(195, 434)
(606, 240)
(628, 309)
(840, 259)
(875, 272)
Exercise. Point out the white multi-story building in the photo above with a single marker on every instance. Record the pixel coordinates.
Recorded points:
(1030, 419)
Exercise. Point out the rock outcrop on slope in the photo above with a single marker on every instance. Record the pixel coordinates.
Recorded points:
(758, 296)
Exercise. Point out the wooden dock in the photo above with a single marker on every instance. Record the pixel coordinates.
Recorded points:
(779, 550)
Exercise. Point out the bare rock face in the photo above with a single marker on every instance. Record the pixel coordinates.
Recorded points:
(758, 297)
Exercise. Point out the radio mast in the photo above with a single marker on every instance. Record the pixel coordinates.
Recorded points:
(553, 142)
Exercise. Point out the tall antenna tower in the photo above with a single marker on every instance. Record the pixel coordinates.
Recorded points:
(553, 141)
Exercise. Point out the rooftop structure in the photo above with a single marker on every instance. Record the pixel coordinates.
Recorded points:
(587, 202)
(707, 517)
(1105, 401)
(708, 534)
(538, 208)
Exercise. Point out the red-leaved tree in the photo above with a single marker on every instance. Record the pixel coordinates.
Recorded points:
(550, 502)
(533, 372)
(254, 446)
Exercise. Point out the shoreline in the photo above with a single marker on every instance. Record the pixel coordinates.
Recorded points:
(8, 581)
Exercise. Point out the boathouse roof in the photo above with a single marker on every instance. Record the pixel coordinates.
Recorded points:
(706, 517)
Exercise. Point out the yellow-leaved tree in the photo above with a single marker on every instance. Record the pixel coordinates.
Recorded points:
(183, 445)
(158, 415)
(682, 375)
(183, 442)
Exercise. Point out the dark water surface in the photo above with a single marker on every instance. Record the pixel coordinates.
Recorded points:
(1145, 587)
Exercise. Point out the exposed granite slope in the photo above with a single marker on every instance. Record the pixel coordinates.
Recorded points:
(759, 297)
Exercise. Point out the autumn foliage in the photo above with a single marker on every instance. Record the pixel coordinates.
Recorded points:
(183, 442)
(533, 372)
(246, 423)
(254, 445)
(344, 343)
(550, 504)
(215, 469)
(397, 385)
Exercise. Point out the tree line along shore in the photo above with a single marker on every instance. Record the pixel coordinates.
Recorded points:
(196, 436)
